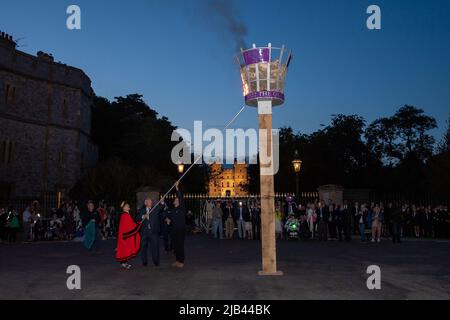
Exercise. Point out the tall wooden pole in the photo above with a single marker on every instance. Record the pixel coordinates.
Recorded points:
(268, 241)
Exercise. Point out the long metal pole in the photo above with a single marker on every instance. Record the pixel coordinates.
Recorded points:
(195, 162)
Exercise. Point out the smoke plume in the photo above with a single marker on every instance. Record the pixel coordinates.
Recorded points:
(226, 14)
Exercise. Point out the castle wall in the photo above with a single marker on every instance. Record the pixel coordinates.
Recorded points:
(45, 121)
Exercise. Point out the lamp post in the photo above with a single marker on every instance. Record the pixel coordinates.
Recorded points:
(180, 168)
(297, 164)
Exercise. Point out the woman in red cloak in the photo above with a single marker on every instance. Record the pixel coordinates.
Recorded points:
(128, 238)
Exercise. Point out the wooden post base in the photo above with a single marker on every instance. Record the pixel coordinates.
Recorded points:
(276, 273)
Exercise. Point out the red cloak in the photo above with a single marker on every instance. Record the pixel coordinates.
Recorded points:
(128, 238)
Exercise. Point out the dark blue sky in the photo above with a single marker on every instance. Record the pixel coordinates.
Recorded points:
(173, 52)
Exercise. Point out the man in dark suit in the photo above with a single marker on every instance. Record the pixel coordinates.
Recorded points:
(150, 229)
(396, 217)
(177, 217)
(240, 216)
(256, 221)
(353, 213)
(428, 223)
(344, 222)
(322, 221)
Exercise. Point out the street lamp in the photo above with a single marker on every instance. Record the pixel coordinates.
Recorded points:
(297, 164)
(180, 167)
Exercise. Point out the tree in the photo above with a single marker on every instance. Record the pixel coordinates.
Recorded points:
(114, 180)
(381, 139)
(412, 125)
(130, 130)
(334, 154)
(253, 176)
(134, 150)
(438, 177)
(402, 136)
(444, 145)
(343, 152)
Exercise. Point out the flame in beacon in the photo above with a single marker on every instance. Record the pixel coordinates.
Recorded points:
(245, 90)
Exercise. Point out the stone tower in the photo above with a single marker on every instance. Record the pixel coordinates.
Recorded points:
(45, 121)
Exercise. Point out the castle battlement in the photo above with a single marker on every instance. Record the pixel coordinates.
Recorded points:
(42, 66)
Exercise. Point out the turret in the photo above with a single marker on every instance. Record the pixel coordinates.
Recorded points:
(7, 41)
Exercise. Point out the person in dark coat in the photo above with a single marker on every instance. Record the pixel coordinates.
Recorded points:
(361, 218)
(334, 212)
(91, 215)
(166, 229)
(150, 230)
(229, 220)
(3, 217)
(427, 222)
(387, 220)
(322, 221)
(256, 221)
(177, 217)
(442, 222)
(396, 221)
(240, 216)
(344, 221)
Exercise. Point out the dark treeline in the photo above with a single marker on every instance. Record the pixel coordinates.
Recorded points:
(394, 154)
(134, 151)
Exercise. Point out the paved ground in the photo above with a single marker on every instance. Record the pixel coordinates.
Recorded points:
(228, 270)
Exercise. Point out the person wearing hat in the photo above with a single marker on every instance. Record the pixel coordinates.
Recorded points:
(128, 238)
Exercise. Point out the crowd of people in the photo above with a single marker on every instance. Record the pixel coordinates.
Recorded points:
(228, 219)
(326, 220)
(63, 223)
(138, 232)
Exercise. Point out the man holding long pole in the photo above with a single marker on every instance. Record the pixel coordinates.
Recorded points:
(177, 217)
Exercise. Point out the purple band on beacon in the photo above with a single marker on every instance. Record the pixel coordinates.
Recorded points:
(256, 55)
(264, 94)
